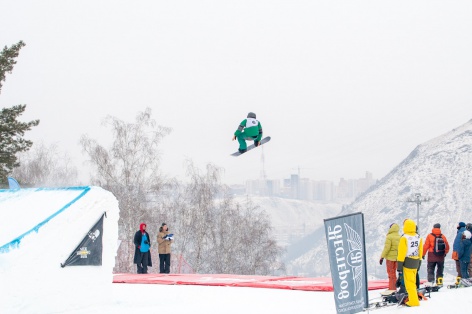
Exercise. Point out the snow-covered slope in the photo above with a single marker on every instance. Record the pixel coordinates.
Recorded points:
(46, 225)
(439, 169)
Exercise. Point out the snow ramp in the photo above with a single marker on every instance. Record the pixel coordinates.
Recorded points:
(41, 228)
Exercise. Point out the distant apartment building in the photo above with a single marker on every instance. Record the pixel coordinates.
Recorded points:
(263, 187)
(351, 188)
(306, 189)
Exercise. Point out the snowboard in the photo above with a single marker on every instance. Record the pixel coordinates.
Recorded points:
(263, 141)
(388, 298)
(429, 287)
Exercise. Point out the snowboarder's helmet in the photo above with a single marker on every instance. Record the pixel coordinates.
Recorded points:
(251, 115)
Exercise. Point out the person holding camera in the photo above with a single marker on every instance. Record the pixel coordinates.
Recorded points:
(165, 239)
(142, 253)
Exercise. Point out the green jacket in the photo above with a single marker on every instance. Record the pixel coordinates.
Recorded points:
(252, 128)
(390, 250)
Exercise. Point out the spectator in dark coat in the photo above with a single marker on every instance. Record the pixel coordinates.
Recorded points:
(469, 227)
(142, 253)
(464, 253)
(456, 246)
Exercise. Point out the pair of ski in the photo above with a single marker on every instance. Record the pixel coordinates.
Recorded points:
(461, 283)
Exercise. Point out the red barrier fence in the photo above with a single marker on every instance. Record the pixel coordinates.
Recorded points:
(273, 282)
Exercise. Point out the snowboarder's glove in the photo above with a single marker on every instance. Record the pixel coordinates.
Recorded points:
(398, 283)
(381, 260)
(399, 267)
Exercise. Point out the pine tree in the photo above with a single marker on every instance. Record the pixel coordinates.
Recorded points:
(11, 130)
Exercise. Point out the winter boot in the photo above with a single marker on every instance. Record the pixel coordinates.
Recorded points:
(458, 280)
(242, 150)
(439, 281)
(256, 143)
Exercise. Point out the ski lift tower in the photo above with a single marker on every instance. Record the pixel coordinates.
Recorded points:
(418, 200)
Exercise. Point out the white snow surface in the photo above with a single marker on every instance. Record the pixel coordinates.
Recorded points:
(32, 280)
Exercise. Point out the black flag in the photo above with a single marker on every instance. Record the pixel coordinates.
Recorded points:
(89, 251)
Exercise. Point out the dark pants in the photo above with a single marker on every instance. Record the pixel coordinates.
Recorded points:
(458, 268)
(164, 263)
(439, 270)
(464, 270)
(143, 263)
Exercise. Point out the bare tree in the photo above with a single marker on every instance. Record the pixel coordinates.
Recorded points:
(130, 170)
(217, 235)
(45, 166)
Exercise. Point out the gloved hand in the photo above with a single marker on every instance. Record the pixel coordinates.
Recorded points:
(381, 260)
(398, 283)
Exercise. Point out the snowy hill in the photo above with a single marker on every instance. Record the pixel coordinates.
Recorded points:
(438, 169)
(32, 280)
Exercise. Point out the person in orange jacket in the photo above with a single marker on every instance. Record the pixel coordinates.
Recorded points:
(410, 251)
(436, 254)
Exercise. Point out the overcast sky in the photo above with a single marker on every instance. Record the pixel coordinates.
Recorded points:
(342, 87)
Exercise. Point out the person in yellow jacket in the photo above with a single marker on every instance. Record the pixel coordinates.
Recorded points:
(410, 251)
(390, 253)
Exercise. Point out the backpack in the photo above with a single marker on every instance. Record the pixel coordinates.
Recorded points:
(439, 248)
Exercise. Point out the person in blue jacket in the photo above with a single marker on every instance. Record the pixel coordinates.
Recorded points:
(142, 253)
(455, 249)
(464, 254)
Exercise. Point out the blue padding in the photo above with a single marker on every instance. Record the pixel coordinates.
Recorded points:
(16, 242)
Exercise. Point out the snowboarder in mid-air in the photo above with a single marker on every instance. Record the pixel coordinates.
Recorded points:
(249, 129)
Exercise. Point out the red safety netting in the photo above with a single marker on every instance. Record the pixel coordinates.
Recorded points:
(291, 283)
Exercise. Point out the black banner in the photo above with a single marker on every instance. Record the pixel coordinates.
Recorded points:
(346, 249)
(89, 251)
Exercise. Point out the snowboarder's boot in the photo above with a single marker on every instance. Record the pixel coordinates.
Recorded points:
(439, 281)
(458, 280)
(242, 150)
(256, 143)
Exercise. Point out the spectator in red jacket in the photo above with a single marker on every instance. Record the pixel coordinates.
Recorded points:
(437, 250)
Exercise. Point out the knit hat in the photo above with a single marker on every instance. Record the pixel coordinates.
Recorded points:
(461, 224)
(437, 226)
(251, 115)
(467, 234)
